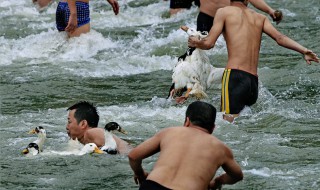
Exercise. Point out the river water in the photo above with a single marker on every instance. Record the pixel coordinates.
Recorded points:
(124, 66)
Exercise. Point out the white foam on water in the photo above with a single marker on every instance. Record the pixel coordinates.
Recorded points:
(137, 16)
(9, 3)
(288, 13)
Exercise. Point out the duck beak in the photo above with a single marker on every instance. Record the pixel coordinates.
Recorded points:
(33, 131)
(123, 131)
(25, 151)
(98, 151)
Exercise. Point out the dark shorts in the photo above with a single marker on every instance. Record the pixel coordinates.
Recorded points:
(176, 4)
(239, 89)
(204, 22)
(63, 14)
(152, 185)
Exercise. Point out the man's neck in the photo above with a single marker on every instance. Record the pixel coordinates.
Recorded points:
(199, 128)
(81, 140)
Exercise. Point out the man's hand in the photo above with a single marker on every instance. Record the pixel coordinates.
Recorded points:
(276, 16)
(192, 41)
(140, 179)
(72, 24)
(181, 99)
(310, 56)
(115, 6)
(214, 184)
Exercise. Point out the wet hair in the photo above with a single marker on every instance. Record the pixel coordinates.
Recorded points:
(85, 111)
(202, 114)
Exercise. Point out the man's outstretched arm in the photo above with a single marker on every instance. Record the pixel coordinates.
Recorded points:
(287, 42)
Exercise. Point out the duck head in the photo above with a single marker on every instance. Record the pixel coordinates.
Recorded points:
(32, 149)
(90, 148)
(40, 131)
(113, 126)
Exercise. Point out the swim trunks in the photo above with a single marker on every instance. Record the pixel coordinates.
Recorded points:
(176, 4)
(239, 89)
(152, 185)
(63, 14)
(204, 22)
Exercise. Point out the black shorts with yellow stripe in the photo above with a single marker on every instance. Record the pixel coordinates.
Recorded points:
(239, 89)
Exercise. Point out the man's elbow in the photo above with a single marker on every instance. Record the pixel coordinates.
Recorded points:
(239, 177)
(280, 39)
(131, 156)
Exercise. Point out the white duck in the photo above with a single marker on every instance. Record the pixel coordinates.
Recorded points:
(90, 148)
(36, 146)
(195, 71)
(110, 145)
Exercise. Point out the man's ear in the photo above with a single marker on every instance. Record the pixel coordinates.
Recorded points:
(83, 123)
(186, 122)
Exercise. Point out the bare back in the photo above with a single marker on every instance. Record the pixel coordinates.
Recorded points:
(187, 164)
(242, 32)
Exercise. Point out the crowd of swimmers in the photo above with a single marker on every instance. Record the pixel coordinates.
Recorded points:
(190, 155)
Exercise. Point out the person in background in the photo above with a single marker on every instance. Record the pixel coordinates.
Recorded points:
(42, 3)
(208, 9)
(189, 155)
(242, 29)
(179, 5)
(73, 16)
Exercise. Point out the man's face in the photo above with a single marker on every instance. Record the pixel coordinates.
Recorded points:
(74, 129)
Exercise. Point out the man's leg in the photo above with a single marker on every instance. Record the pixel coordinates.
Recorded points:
(80, 30)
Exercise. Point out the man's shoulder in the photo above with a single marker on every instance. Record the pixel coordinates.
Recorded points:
(93, 132)
(173, 128)
(227, 10)
(170, 130)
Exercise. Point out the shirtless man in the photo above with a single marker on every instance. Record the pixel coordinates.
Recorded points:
(189, 155)
(208, 9)
(73, 16)
(242, 29)
(82, 124)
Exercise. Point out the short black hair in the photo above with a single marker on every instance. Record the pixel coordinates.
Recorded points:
(202, 114)
(85, 111)
(238, 0)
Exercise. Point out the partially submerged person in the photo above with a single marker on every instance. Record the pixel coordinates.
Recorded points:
(82, 125)
(189, 155)
(74, 16)
(242, 29)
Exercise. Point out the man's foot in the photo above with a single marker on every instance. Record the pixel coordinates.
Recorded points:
(230, 117)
